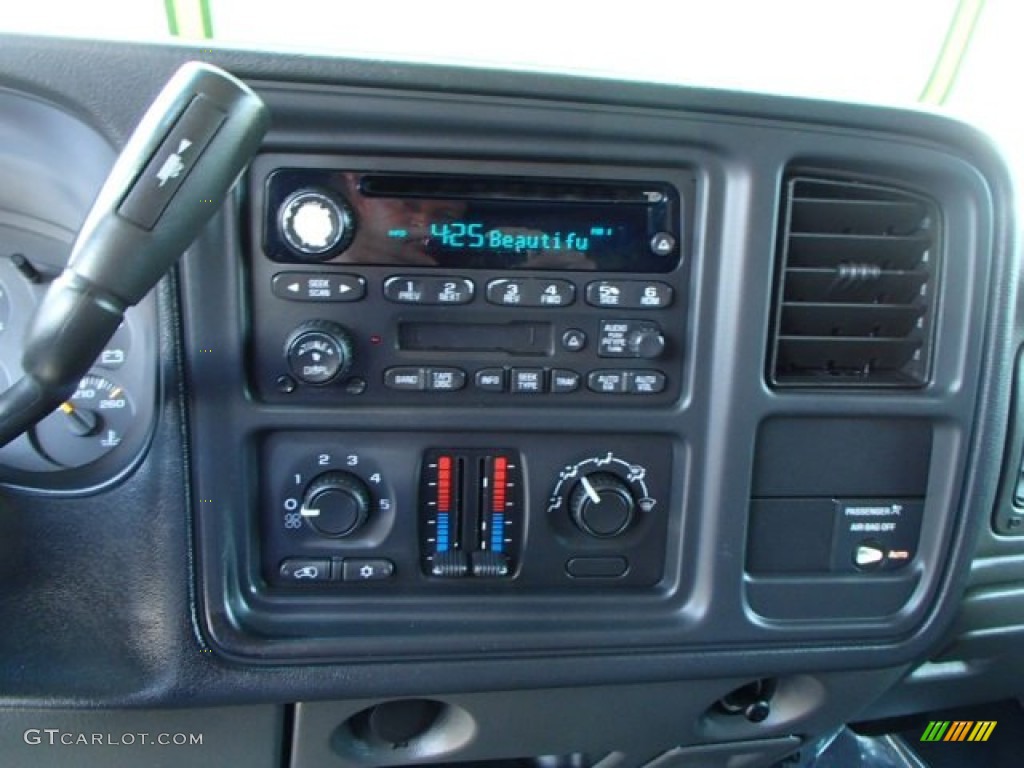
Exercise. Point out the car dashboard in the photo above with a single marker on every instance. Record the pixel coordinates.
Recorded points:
(513, 417)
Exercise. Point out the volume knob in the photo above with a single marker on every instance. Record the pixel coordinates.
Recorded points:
(315, 224)
(602, 505)
(336, 504)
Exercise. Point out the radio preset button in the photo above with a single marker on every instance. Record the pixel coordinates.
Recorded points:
(552, 293)
(406, 379)
(490, 380)
(653, 295)
(450, 290)
(629, 294)
(527, 380)
(403, 289)
(406, 290)
(317, 286)
(507, 293)
(445, 379)
(608, 382)
(564, 381)
(531, 292)
(606, 293)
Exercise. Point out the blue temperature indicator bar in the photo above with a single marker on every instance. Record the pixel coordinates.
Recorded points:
(498, 532)
(443, 532)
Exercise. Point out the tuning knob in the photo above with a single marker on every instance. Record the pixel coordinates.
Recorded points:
(646, 342)
(602, 505)
(336, 504)
(319, 352)
(315, 224)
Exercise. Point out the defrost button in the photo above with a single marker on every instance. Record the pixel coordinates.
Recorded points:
(359, 569)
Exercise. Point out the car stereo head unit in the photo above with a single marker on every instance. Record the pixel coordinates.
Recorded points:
(423, 283)
(471, 222)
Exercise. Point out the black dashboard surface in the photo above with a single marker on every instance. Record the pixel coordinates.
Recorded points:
(161, 589)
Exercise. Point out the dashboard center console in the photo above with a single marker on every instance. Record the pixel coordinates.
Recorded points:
(399, 287)
(551, 392)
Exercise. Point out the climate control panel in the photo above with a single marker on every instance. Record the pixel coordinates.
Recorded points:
(426, 512)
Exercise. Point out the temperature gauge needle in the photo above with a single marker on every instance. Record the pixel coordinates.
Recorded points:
(80, 423)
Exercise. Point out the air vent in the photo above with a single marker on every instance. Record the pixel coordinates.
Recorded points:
(857, 287)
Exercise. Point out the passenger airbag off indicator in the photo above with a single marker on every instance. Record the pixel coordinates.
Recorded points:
(875, 534)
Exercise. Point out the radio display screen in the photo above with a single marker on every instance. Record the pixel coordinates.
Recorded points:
(471, 222)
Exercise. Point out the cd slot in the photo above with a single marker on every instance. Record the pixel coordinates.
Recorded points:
(515, 338)
(488, 188)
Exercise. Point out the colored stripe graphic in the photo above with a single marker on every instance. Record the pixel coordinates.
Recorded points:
(959, 730)
(935, 731)
(982, 730)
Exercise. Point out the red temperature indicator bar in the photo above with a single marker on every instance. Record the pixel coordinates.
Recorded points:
(500, 484)
(444, 484)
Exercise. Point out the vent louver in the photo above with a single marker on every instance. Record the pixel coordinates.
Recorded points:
(856, 295)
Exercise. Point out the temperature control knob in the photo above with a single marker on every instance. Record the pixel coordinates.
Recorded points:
(602, 505)
(315, 224)
(336, 504)
(319, 352)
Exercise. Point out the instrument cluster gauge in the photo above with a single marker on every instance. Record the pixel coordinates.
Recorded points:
(100, 434)
(100, 431)
(88, 425)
